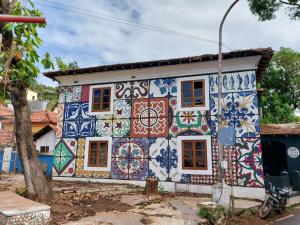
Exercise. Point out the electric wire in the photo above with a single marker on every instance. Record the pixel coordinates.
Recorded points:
(114, 19)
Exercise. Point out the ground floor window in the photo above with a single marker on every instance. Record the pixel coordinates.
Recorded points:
(194, 154)
(98, 152)
(44, 149)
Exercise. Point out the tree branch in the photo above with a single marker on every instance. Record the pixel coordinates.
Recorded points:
(289, 3)
(10, 57)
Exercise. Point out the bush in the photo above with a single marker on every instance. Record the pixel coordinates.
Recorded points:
(214, 215)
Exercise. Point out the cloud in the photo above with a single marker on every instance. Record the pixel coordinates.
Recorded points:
(93, 41)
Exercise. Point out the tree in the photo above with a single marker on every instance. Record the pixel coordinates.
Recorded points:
(282, 87)
(19, 70)
(266, 9)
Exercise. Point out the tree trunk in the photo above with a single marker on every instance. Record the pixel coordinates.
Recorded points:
(36, 182)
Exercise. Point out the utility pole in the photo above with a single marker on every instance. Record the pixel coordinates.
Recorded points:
(220, 96)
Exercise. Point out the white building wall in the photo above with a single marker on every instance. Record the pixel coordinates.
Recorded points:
(47, 140)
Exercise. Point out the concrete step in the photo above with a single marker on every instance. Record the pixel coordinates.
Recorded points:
(15, 209)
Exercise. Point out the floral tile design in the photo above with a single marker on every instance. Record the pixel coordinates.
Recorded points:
(227, 104)
(69, 94)
(139, 148)
(247, 126)
(245, 103)
(119, 168)
(77, 121)
(121, 127)
(138, 169)
(248, 149)
(163, 87)
(159, 88)
(122, 108)
(250, 174)
(104, 126)
(232, 82)
(120, 147)
(85, 93)
(132, 89)
(80, 172)
(164, 158)
(189, 123)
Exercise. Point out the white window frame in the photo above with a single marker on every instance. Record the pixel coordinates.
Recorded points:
(86, 154)
(205, 78)
(112, 91)
(207, 138)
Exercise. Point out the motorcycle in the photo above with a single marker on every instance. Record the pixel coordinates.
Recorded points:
(276, 198)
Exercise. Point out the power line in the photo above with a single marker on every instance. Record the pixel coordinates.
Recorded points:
(114, 19)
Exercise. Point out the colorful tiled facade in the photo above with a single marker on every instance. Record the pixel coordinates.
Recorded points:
(145, 123)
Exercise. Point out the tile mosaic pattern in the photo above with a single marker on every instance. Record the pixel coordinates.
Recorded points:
(132, 90)
(122, 109)
(104, 126)
(130, 158)
(189, 123)
(69, 94)
(77, 122)
(64, 157)
(163, 87)
(234, 82)
(144, 126)
(149, 118)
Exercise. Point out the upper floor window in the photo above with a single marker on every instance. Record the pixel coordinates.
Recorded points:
(98, 154)
(193, 93)
(194, 155)
(101, 99)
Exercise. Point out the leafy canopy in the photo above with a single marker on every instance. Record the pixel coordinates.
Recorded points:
(25, 35)
(282, 87)
(266, 9)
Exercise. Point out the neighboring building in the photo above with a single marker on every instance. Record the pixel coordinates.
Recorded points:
(38, 121)
(45, 140)
(131, 121)
(32, 95)
(38, 105)
(281, 149)
(5, 114)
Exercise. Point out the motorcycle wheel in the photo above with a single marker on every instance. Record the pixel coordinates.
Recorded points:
(265, 209)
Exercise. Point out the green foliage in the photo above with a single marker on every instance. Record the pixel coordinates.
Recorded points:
(282, 87)
(23, 191)
(266, 9)
(46, 93)
(214, 215)
(63, 66)
(27, 40)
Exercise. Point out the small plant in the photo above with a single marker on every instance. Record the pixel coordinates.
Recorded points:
(23, 191)
(214, 215)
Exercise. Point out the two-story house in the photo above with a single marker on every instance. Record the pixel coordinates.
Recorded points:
(127, 122)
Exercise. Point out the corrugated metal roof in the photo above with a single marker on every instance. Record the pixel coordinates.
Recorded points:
(280, 129)
(266, 54)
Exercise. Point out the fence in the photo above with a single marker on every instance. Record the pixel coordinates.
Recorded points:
(14, 165)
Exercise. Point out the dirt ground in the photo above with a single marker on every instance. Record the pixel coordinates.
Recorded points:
(76, 203)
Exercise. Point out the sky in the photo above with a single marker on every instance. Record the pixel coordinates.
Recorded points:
(98, 32)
